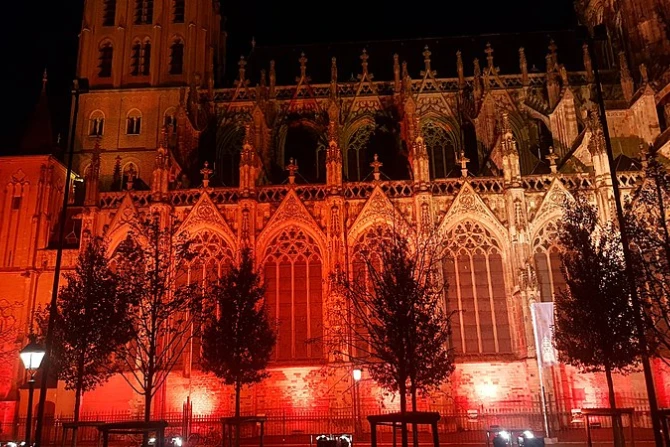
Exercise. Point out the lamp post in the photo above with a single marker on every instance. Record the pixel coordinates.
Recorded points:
(357, 374)
(635, 300)
(79, 86)
(31, 356)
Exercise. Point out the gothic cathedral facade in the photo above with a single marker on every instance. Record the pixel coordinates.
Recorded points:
(307, 156)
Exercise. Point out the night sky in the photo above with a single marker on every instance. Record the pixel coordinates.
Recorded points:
(43, 33)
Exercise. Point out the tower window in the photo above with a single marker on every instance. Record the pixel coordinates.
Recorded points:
(177, 57)
(141, 58)
(109, 13)
(144, 11)
(134, 123)
(105, 60)
(178, 8)
(96, 124)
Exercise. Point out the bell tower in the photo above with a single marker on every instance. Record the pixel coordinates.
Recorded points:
(149, 42)
(640, 28)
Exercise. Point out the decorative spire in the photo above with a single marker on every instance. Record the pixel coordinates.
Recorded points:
(426, 62)
(551, 158)
(463, 161)
(552, 52)
(333, 77)
(292, 168)
(477, 69)
(116, 176)
(644, 74)
(206, 172)
(364, 64)
(626, 78)
(459, 69)
(303, 66)
(333, 70)
(407, 81)
(273, 79)
(588, 65)
(644, 156)
(396, 73)
(523, 65)
(44, 81)
(375, 165)
(242, 72)
(489, 56)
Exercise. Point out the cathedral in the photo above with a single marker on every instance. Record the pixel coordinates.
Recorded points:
(307, 154)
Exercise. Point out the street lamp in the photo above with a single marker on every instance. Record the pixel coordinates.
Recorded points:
(31, 356)
(357, 375)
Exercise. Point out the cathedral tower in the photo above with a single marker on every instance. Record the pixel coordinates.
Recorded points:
(143, 59)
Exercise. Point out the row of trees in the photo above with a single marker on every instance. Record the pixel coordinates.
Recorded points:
(134, 314)
(595, 318)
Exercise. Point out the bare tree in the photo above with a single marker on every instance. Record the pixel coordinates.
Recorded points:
(400, 328)
(150, 263)
(648, 224)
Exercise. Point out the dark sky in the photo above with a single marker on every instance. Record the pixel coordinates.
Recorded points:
(43, 33)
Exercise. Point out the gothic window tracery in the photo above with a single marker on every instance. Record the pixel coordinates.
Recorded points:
(305, 142)
(177, 56)
(144, 12)
(140, 58)
(96, 125)
(356, 155)
(106, 53)
(134, 122)
(474, 272)
(109, 13)
(365, 255)
(441, 150)
(213, 257)
(178, 11)
(229, 141)
(293, 290)
(546, 253)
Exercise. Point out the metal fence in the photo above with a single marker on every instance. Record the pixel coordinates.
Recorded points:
(292, 426)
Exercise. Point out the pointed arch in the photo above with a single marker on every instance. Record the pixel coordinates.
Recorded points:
(293, 266)
(474, 268)
(546, 256)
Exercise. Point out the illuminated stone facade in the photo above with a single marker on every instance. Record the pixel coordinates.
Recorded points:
(482, 153)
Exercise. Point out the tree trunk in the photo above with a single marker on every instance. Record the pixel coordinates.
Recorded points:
(238, 388)
(77, 396)
(403, 412)
(415, 428)
(617, 429)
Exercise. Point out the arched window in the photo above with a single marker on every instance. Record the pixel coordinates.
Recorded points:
(213, 258)
(178, 10)
(441, 150)
(108, 12)
(305, 143)
(144, 12)
(134, 122)
(177, 57)
(293, 290)
(365, 254)
(476, 290)
(96, 124)
(229, 141)
(548, 262)
(357, 157)
(140, 58)
(106, 53)
(170, 120)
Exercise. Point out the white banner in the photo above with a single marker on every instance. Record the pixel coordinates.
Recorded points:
(543, 328)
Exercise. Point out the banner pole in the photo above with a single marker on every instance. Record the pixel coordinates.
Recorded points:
(538, 352)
